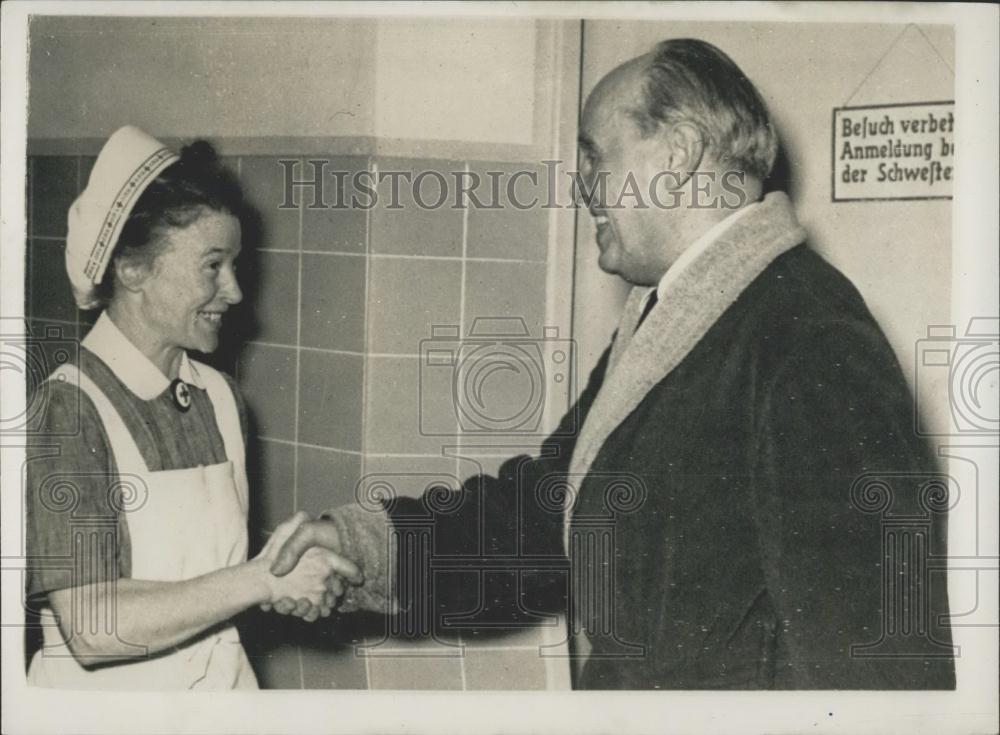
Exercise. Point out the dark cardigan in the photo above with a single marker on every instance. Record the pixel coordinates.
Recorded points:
(754, 555)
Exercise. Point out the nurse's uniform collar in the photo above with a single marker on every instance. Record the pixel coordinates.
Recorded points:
(133, 368)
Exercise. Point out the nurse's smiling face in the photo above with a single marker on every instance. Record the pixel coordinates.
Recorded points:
(190, 284)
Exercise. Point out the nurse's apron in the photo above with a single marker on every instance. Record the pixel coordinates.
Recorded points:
(185, 524)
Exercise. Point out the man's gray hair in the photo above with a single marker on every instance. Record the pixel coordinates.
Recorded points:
(693, 81)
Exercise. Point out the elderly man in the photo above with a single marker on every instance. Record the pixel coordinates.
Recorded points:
(744, 395)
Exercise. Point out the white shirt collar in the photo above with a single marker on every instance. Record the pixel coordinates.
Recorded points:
(696, 248)
(133, 368)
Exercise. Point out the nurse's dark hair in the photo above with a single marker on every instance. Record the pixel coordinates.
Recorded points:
(175, 199)
(687, 80)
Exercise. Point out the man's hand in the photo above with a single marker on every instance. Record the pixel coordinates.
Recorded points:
(314, 533)
(281, 534)
(285, 548)
(306, 535)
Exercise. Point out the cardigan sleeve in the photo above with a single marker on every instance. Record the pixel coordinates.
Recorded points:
(835, 433)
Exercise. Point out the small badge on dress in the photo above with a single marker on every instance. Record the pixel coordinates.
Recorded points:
(181, 395)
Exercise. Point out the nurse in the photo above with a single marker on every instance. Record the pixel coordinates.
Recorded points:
(136, 482)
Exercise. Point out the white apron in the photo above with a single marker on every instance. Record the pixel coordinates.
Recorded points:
(190, 522)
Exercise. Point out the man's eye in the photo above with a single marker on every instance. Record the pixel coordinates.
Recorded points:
(214, 265)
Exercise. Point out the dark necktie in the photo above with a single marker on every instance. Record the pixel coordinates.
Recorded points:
(650, 303)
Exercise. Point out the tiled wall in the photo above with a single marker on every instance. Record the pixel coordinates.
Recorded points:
(327, 352)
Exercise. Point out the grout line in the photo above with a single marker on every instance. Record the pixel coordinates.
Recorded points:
(261, 343)
(461, 333)
(279, 345)
(505, 649)
(405, 256)
(406, 355)
(356, 453)
(469, 648)
(331, 351)
(372, 166)
(307, 445)
(397, 355)
(404, 455)
(298, 370)
(298, 390)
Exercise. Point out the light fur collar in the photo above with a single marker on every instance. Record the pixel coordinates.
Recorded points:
(701, 294)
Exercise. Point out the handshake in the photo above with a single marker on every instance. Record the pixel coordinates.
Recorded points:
(305, 574)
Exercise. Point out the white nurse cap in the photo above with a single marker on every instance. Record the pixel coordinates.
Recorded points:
(128, 163)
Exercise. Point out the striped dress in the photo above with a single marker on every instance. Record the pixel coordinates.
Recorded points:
(71, 471)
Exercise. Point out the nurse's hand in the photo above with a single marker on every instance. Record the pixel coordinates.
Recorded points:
(303, 608)
(306, 584)
(274, 543)
(281, 534)
(284, 559)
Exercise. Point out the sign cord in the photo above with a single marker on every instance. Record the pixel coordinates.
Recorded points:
(892, 45)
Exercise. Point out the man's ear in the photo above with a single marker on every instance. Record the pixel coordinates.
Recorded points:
(687, 148)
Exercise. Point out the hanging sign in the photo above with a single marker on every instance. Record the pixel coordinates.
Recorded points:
(901, 151)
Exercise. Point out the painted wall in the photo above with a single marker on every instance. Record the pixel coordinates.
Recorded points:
(200, 76)
(327, 344)
(281, 77)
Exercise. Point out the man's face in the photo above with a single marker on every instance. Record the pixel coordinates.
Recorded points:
(631, 231)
